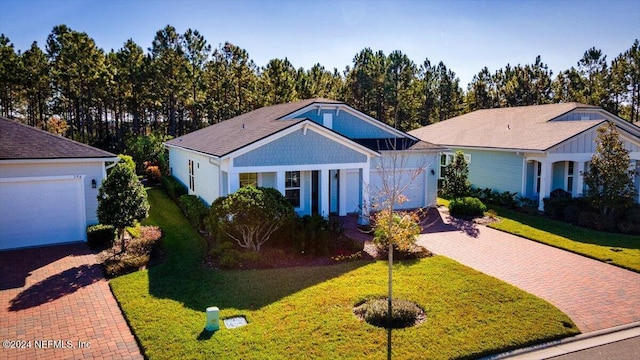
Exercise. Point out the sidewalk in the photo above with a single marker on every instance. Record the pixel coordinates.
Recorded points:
(584, 346)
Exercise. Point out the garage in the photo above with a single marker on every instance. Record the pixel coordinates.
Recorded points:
(38, 211)
(414, 189)
(48, 186)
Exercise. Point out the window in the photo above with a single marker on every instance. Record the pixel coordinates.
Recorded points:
(192, 178)
(247, 179)
(570, 176)
(447, 158)
(292, 187)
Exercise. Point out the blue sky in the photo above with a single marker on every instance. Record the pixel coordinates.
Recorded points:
(465, 35)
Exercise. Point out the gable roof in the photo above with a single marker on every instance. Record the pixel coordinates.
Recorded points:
(517, 128)
(231, 135)
(23, 142)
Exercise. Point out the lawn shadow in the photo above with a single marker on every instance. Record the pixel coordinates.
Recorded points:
(57, 286)
(185, 277)
(205, 334)
(198, 288)
(17, 265)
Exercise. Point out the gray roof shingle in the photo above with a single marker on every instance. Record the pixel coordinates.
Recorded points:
(518, 128)
(19, 141)
(230, 135)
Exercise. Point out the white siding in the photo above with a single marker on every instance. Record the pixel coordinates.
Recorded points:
(90, 170)
(206, 174)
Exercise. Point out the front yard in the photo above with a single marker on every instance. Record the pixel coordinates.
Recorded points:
(617, 249)
(307, 312)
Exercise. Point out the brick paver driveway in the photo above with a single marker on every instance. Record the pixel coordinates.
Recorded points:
(595, 295)
(56, 301)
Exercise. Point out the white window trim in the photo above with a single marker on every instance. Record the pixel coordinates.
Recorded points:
(567, 175)
(299, 188)
(192, 175)
(450, 156)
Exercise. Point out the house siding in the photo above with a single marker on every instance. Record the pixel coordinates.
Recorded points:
(421, 192)
(298, 148)
(349, 125)
(583, 143)
(206, 174)
(90, 170)
(497, 170)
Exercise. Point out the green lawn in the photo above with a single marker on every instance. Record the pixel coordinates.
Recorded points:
(307, 312)
(616, 249)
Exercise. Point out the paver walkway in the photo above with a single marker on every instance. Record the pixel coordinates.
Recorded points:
(56, 301)
(593, 294)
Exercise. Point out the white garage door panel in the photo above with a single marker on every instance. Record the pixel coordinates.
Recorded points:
(41, 211)
(415, 190)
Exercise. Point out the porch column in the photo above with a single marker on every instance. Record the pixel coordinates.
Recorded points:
(234, 182)
(580, 178)
(342, 192)
(364, 195)
(280, 183)
(324, 193)
(545, 182)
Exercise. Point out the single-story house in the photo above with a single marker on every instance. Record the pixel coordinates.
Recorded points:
(321, 154)
(529, 150)
(48, 186)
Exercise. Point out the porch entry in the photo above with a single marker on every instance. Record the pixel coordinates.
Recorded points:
(333, 195)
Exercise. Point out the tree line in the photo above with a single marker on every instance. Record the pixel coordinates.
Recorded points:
(182, 83)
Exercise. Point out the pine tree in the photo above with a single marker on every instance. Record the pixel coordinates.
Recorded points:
(609, 181)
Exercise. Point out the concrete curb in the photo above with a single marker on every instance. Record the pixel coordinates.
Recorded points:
(572, 344)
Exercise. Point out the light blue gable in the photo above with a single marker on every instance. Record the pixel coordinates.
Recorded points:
(298, 148)
(349, 125)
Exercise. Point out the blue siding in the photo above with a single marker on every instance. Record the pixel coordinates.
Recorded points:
(349, 125)
(500, 171)
(299, 149)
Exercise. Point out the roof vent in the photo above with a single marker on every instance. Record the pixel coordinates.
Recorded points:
(243, 125)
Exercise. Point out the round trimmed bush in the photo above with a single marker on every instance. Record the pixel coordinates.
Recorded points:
(375, 311)
(467, 206)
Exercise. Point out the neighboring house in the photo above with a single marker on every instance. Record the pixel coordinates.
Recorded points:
(48, 186)
(529, 150)
(323, 155)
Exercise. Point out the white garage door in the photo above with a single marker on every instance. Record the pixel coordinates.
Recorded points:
(414, 190)
(41, 211)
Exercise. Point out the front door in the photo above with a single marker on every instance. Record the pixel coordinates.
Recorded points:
(314, 192)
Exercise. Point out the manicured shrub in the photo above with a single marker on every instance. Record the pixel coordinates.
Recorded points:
(127, 161)
(100, 235)
(251, 215)
(125, 264)
(194, 210)
(137, 255)
(153, 175)
(489, 196)
(467, 206)
(630, 222)
(173, 187)
(375, 311)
